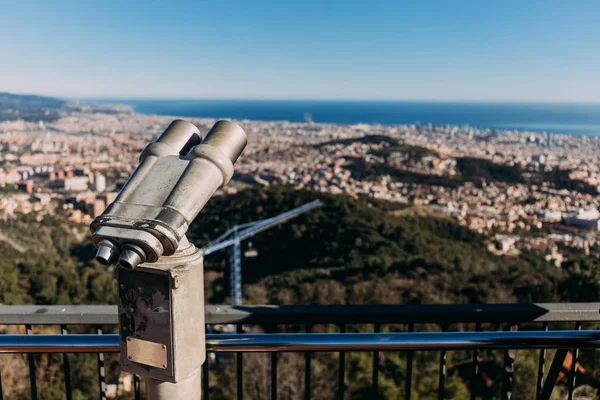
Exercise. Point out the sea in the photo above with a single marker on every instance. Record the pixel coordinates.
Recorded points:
(566, 118)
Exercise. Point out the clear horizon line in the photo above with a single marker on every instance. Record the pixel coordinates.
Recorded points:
(349, 100)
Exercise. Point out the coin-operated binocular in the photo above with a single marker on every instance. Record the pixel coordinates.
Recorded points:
(159, 273)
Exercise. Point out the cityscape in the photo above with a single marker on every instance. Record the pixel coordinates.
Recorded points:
(525, 190)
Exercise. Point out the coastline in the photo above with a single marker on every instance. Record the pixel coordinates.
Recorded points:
(556, 118)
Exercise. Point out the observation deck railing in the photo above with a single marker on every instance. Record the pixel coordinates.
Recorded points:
(502, 327)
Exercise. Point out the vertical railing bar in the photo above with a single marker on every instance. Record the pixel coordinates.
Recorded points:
(101, 372)
(541, 362)
(31, 361)
(307, 369)
(509, 370)
(553, 373)
(137, 390)
(274, 354)
(573, 372)
(205, 375)
(375, 377)
(341, 368)
(66, 368)
(473, 386)
(205, 394)
(409, 367)
(442, 370)
(1, 395)
(240, 367)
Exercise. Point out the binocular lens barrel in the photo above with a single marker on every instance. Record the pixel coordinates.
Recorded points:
(227, 137)
(131, 256)
(107, 252)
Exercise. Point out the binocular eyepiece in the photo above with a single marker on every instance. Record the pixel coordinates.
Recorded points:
(176, 176)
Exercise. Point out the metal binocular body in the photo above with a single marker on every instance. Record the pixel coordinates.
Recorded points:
(176, 176)
(160, 274)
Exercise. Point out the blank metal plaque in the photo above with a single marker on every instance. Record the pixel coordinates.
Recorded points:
(147, 353)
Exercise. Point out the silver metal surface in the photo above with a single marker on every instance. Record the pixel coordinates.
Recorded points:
(322, 314)
(228, 137)
(176, 176)
(403, 341)
(147, 353)
(160, 282)
(187, 388)
(107, 252)
(322, 342)
(131, 256)
(163, 302)
(59, 315)
(59, 343)
(181, 135)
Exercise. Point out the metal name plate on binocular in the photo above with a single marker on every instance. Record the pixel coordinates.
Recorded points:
(161, 316)
(146, 321)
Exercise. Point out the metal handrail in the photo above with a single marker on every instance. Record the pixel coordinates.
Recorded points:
(59, 343)
(292, 342)
(323, 314)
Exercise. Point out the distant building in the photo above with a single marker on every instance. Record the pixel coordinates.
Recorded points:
(550, 216)
(99, 183)
(109, 197)
(505, 243)
(26, 186)
(587, 219)
(9, 177)
(71, 184)
(96, 207)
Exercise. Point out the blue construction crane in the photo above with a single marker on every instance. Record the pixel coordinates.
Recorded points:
(234, 237)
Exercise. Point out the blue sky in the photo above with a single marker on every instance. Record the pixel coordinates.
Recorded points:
(373, 50)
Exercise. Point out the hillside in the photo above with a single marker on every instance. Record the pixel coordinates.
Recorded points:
(350, 251)
(45, 263)
(30, 107)
(469, 169)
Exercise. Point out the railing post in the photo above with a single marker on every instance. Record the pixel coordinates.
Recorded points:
(341, 369)
(475, 375)
(442, 370)
(31, 361)
(205, 375)
(1, 392)
(409, 368)
(101, 372)
(509, 370)
(573, 371)
(307, 369)
(540, 376)
(137, 387)
(240, 367)
(375, 378)
(66, 368)
(555, 368)
(273, 329)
